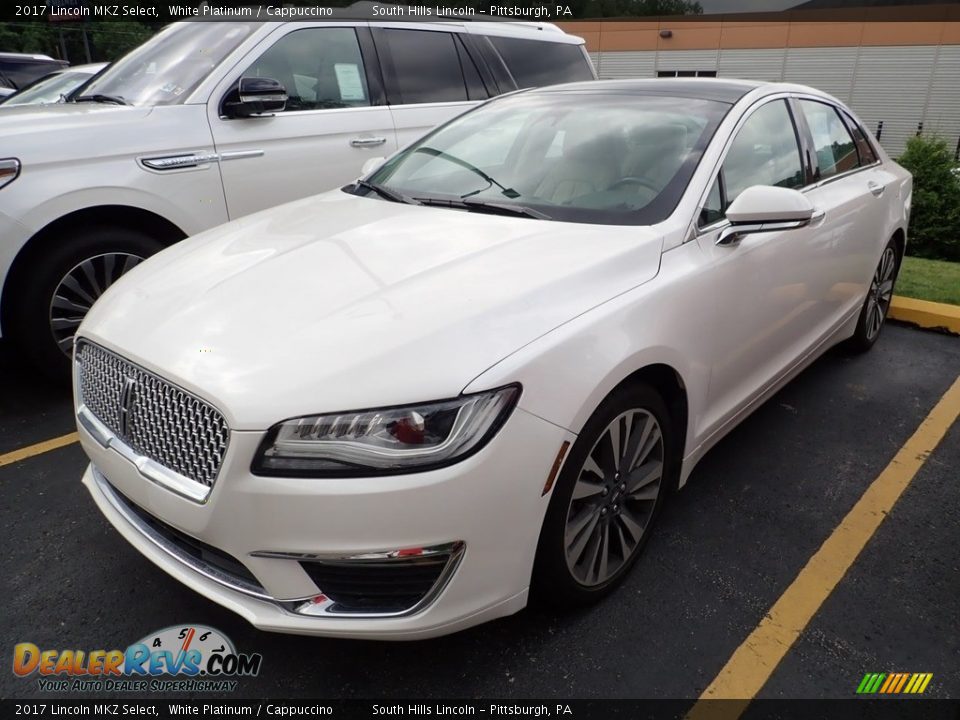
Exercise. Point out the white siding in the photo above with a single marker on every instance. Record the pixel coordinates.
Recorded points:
(899, 85)
(766, 65)
(686, 60)
(943, 105)
(829, 69)
(618, 65)
(891, 84)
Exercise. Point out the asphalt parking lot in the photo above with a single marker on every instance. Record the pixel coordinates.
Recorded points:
(727, 547)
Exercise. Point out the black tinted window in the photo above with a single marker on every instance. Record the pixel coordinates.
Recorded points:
(23, 73)
(535, 63)
(426, 66)
(476, 90)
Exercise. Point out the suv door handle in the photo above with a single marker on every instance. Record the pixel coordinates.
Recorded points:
(876, 188)
(367, 142)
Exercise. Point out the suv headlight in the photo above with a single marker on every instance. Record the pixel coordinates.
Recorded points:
(385, 441)
(9, 169)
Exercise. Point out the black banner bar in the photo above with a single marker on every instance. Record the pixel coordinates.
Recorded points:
(854, 709)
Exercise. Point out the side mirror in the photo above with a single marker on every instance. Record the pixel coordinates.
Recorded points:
(256, 96)
(371, 165)
(764, 208)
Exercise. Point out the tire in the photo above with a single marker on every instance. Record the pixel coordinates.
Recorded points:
(558, 578)
(42, 329)
(877, 303)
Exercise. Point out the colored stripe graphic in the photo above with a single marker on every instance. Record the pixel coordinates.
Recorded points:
(894, 683)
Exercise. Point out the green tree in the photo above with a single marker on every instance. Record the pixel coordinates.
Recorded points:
(935, 214)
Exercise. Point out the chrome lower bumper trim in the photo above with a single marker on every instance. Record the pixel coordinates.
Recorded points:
(198, 566)
(314, 605)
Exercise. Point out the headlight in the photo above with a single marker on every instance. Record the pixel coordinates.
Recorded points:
(385, 441)
(9, 169)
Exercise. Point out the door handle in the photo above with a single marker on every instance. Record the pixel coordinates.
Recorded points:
(876, 188)
(367, 142)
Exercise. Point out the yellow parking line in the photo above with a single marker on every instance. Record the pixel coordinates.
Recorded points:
(752, 664)
(38, 449)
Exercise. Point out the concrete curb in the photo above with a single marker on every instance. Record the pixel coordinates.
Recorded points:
(931, 315)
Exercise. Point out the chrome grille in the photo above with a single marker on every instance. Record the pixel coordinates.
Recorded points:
(155, 418)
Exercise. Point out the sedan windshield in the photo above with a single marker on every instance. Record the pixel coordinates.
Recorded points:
(616, 159)
(169, 66)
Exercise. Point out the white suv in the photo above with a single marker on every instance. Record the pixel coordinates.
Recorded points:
(209, 121)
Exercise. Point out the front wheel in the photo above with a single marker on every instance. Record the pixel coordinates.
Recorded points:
(607, 498)
(63, 285)
(877, 303)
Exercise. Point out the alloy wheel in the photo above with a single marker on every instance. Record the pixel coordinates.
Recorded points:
(614, 497)
(881, 292)
(80, 288)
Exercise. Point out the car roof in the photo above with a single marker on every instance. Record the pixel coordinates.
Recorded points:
(719, 90)
(26, 56)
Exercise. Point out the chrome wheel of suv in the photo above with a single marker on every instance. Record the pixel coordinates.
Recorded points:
(80, 288)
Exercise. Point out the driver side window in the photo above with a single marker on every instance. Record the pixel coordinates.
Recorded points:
(765, 151)
(320, 68)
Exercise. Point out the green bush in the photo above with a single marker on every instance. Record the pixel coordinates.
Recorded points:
(935, 217)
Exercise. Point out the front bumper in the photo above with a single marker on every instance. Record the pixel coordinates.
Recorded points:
(487, 510)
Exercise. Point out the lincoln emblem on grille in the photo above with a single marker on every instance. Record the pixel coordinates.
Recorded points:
(126, 403)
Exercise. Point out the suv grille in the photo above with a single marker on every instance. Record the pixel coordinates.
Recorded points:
(155, 418)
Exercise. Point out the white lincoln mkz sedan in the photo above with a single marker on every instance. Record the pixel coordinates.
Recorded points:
(401, 408)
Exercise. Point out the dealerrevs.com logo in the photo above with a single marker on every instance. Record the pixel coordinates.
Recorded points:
(176, 659)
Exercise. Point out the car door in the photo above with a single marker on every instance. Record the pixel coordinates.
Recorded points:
(335, 118)
(767, 289)
(849, 186)
(430, 77)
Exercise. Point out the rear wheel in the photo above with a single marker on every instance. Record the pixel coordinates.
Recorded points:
(873, 314)
(64, 283)
(607, 498)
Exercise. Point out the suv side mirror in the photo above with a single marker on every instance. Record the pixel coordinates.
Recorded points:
(256, 96)
(764, 208)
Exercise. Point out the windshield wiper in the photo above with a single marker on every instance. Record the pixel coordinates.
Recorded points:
(509, 192)
(486, 207)
(100, 98)
(386, 193)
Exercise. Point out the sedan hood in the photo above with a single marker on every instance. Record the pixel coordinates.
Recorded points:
(339, 302)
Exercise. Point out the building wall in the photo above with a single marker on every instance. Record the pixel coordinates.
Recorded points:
(897, 73)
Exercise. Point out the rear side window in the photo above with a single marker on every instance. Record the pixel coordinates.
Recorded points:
(836, 151)
(536, 63)
(864, 148)
(427, 67)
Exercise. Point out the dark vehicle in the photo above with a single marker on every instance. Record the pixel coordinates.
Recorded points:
(19, 69)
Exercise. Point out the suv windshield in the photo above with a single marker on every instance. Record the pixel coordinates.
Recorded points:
(575, 156)
(169, 66)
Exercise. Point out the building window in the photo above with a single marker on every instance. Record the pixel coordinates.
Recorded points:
(686, 73)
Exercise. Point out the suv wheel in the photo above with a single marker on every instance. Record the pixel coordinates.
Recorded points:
(47, 308)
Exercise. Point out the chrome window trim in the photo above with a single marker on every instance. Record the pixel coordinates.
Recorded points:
(694, 231)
